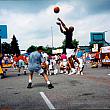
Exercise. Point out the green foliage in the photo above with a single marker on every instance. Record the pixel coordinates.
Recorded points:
(75, 43)
(32, 48)
(6, 48)
(14, 46)
(48, 50)
(11, 48)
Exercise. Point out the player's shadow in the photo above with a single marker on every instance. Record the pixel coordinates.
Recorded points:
(39, 85)
(42, 84)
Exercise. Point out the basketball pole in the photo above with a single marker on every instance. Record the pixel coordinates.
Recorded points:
(52, 36)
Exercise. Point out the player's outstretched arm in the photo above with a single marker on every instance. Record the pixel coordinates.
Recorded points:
(62, 23)
(60, 27)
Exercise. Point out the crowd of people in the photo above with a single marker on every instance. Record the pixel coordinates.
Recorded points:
(53, 64)
(45, 65)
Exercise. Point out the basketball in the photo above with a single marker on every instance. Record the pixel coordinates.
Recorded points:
(56, 9)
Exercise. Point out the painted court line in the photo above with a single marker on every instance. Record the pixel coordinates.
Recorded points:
(47, 101)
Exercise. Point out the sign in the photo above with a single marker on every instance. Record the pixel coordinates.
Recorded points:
(97, 36)
(57, 51)
(70, 52)
(106, 49)
(95, 49)
(3, 31)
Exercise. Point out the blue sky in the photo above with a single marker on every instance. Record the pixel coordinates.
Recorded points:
(31, 20)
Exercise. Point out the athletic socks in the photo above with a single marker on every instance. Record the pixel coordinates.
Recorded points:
(48, 82)
(30, 81)
(50, 86)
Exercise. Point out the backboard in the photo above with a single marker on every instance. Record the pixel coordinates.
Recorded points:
(3, 31)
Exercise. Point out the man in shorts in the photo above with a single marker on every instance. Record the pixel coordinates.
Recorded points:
(36, 61)
(68, 32)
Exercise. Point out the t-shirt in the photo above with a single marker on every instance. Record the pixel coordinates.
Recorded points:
(36, 57)
(35, 60)
(79, 54)
(63, 56)
(97, 55)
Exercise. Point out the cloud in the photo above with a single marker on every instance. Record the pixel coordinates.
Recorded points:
(34, 28)
(97, 6)
(96, 23)
(29, 28)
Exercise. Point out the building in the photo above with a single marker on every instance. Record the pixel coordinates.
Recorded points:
(97, 39)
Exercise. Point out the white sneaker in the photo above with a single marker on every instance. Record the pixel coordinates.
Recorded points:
(66, 72)
(61, 71)
(77, 73)
(82, 73)
(70, 73)
(55, 71)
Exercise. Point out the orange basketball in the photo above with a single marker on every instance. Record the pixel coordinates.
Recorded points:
(56, 9)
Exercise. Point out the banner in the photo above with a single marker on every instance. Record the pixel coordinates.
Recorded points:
(57, 51)
(70, 52)
(106, 49)
(95, 49)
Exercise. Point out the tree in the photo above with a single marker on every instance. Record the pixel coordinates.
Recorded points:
(31, 49)
(14, 46)
(48, 50)
(6, 48)
(75, 43)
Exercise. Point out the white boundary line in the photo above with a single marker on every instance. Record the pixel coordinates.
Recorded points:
(47, 101)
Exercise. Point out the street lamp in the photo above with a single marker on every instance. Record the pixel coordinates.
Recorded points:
(52, 36)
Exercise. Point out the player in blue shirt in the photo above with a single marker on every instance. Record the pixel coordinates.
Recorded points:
(36, 61)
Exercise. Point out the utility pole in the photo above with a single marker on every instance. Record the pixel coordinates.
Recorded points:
(52, 36)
